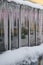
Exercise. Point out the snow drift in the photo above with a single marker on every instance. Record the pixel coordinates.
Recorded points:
(28, 54)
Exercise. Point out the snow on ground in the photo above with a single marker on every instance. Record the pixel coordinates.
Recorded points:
(28, 3)
(28, 54)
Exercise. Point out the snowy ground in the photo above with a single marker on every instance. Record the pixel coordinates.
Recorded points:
(21, 56)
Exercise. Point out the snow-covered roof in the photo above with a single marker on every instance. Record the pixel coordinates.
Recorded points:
(21, 55)
(28, 3)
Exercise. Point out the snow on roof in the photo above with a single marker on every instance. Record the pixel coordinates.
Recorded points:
(29, 54)
(34, 5)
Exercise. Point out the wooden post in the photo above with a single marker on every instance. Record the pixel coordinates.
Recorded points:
(36, 26)
(20, 28)
(40, 25)
(10, 20)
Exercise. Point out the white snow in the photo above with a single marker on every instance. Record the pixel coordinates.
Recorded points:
(29, 54)
(28, 3)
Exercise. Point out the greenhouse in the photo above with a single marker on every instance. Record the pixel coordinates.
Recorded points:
(21, 24)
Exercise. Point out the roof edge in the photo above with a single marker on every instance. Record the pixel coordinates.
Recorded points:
(28, 3)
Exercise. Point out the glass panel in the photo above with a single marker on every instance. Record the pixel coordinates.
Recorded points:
(38, 37)
(1, 35)
(24, 26)
(32, 34)
(14, 33)
(32, 28)
(38, 28)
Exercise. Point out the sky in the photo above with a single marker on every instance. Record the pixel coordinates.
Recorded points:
(38, 1)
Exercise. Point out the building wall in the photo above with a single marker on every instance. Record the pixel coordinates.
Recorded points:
(24, 16)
